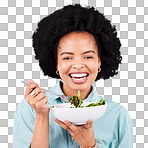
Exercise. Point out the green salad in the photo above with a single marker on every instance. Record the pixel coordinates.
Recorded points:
(77, 101)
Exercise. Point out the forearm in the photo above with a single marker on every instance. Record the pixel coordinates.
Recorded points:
(40, 138)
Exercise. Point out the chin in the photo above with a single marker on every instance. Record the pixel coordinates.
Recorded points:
(81, 87)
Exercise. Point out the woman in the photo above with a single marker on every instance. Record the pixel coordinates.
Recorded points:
(79, 46)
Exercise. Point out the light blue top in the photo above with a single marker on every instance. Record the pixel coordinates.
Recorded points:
(113, 130)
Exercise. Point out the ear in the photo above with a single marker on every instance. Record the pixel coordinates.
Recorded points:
(57, 64)
(99, 62)
(57, 67)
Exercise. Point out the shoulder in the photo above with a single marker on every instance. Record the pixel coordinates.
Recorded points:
(113, 106)
(119, 116)
(117, 111)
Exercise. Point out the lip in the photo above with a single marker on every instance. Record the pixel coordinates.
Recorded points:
(77, 72)
(76, 81)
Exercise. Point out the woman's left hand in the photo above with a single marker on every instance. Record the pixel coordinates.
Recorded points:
(83, 134)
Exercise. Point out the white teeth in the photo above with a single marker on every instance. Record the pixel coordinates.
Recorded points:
(79, 78)
(79, 75)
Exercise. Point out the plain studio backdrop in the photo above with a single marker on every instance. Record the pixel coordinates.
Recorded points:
(18, 20)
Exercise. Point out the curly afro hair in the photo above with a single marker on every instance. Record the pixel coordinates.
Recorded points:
(76, 18)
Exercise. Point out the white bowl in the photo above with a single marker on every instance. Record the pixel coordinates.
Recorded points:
(78, 116)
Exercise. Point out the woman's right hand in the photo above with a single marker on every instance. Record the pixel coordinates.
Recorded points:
(37, 99)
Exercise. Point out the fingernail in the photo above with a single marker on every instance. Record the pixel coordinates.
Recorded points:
(30, 81)
(66, 122)
(32, 93)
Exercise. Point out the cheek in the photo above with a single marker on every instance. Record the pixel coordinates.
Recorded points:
(95, 70)
(63, 68)
(93, 66)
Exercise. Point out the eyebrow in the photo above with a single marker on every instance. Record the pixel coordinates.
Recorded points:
(89, 51)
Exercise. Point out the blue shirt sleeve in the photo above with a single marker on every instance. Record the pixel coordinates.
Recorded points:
(122, 133)
(23, 125)
(113, 130)
(126, 131)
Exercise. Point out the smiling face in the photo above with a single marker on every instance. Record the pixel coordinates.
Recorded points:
(78, 62)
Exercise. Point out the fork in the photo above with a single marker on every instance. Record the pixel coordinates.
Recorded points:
(64, 98)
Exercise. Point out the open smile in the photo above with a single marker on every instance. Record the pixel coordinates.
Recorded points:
(79, 77)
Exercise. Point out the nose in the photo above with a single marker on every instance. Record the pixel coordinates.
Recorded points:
(78, 64)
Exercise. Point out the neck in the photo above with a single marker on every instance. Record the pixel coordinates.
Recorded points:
(70, 93)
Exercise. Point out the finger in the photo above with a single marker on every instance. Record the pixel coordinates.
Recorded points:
(29, 95)
(42, 103)
(29, 88)
(32, 85)
(37, 91)
(30, 81)
(62, 124)
(71, 126)
(89, 124)
(32, 100)
(39, 96)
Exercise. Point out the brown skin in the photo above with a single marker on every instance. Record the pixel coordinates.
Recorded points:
(77, 44)
(38, 102)
(77, 60)
(83, 134)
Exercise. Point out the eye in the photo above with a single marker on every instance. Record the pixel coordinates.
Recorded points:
(66, 58)
(88, 57)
